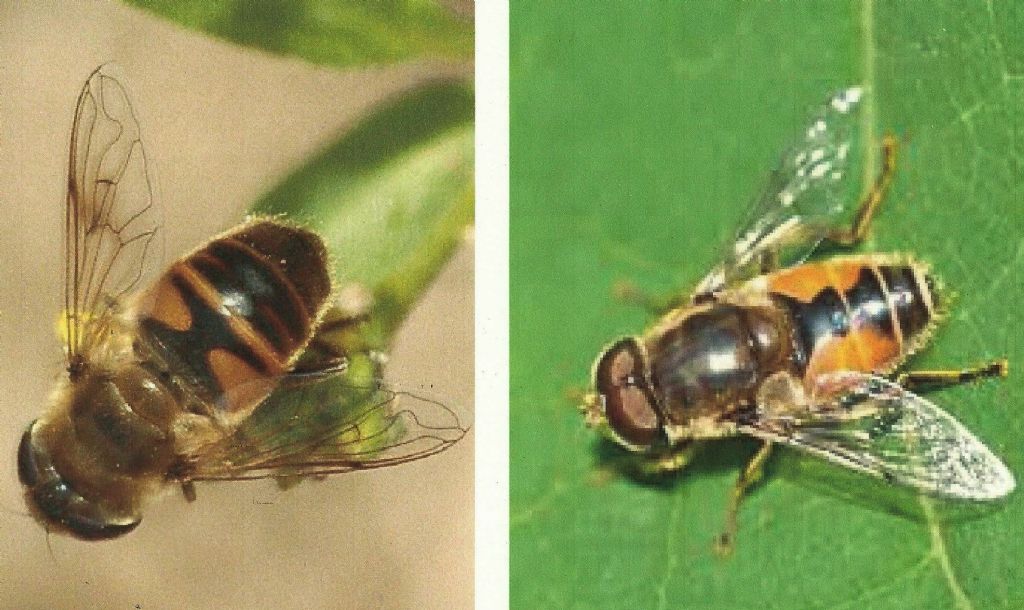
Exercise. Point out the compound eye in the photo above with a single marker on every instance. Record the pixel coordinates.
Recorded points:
(629, 405)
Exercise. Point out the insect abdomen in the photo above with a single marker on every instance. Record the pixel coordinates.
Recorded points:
(862, 314)
(233, 314)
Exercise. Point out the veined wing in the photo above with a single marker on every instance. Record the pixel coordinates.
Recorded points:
(873, 425)
(811, 191)
(111, 220)
(344, 422)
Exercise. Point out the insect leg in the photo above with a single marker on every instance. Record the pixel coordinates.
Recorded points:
(297, 377)
(750, 475)
(326, 353)
(930, 380)
(866, 210)
(672, 460)
(769, 261)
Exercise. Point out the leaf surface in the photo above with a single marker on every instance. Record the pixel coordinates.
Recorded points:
(639, 136)
(392, 198)
(334, 33)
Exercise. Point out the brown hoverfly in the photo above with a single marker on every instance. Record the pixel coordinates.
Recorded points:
(801, 354)
(236, 362)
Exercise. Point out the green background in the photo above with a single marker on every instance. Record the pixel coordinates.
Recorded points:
(639, 134)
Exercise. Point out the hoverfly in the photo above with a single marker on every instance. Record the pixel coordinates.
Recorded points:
(237, 362)
(802, 354)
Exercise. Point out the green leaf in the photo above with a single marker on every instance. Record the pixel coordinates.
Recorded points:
(336, 33)
(392, 198)
(640, 133)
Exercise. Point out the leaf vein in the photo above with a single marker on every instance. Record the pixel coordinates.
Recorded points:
(540, 504)
(941, 556)
(671, 560)
(897, 580)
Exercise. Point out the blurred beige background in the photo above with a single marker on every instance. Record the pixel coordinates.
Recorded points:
(222, 124)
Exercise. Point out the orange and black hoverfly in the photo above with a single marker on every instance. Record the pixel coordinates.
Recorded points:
(237, 362)
(801, 354)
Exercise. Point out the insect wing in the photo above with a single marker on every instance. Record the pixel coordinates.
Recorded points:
(808, 194)
(111, 220)
(347, 421)
(870, 424)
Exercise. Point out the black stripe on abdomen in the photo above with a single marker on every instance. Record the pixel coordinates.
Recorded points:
(907, 298)
(233, 314)
(862, 307)
(251, 290)
(187, 351)
(869, 306)
(823, 316)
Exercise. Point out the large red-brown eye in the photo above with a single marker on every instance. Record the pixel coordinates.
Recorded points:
(629, 405)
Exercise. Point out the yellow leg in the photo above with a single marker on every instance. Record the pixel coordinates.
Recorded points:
(750, 475)
(769, 261)
(943, 378)
(673, 460)
(647, 466)
(866, 211)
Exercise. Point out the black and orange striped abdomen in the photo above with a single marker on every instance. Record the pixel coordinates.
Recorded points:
(865, 313)
(229, 318)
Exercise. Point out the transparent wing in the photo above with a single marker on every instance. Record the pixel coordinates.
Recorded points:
(811, 191)
(111, 220)
(344, 422)
(873, 425)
